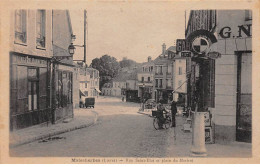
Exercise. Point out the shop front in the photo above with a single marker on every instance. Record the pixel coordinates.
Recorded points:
(29, 90)
(63, 95)
(220, 77)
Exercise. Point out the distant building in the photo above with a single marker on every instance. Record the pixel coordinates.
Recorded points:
(163, 75)
(81, 84)
(180, 79)
(107, 89)
(145, 76)
(93, 86)
(125, 82)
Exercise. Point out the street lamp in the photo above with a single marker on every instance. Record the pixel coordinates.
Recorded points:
(71, 49)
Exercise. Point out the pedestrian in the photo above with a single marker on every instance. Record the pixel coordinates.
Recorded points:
(173, 113)
(160, 110)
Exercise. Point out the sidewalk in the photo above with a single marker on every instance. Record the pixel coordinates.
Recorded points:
(82, 118)
(182, 145)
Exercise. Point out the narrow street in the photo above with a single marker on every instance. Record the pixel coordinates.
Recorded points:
(119, 132)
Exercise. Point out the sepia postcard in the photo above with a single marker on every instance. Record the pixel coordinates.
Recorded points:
(129, 82)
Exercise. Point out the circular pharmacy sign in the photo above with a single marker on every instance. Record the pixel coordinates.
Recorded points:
(200, 45)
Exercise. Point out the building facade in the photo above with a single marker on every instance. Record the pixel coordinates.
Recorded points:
(163, 75)
(221, 79)
(93, 86)
(145, 77)
(30, 67)
(63, 66)
(41, 82)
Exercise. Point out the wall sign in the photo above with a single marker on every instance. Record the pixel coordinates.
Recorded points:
(242, 30)
(182, 45)
(186, 54)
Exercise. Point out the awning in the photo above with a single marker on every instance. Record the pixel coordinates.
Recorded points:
(98, 90)
(81, 93)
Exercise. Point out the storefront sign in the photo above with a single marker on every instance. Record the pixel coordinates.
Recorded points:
(226, 32)
(182, 45)
(186, 54)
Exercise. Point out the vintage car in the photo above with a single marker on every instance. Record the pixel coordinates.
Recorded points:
(90, 102)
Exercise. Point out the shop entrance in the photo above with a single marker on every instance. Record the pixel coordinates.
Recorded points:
(244, 98)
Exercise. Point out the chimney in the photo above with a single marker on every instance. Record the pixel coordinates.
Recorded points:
(163, 49)
(149, 59)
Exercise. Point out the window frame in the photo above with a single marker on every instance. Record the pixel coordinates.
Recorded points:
(33, 82)
(23, 27)
(42, 29)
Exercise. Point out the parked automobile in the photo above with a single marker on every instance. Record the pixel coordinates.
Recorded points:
(90, 102)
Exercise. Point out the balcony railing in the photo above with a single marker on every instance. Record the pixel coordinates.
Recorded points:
(160, 73)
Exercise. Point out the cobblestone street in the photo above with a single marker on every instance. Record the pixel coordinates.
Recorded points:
(120, 131)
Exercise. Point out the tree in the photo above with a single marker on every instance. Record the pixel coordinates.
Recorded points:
(127, 62)
(107, 66)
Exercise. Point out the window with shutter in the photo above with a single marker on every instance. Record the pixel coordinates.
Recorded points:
(40, 28)
(20, 26)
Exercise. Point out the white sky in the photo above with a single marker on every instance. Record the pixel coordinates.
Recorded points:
(133, 30)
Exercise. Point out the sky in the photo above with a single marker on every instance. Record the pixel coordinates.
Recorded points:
(133, 30)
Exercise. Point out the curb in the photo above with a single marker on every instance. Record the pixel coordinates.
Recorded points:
(55, 133)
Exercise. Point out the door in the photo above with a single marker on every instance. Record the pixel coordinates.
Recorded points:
(244, 98)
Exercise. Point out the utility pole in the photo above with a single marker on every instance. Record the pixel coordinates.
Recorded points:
(85, 27)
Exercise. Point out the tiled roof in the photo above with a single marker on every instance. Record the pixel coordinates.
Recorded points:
(123, 76)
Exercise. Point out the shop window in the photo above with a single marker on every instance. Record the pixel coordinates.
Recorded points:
(20, 26)
(33, 88)
(40, 28)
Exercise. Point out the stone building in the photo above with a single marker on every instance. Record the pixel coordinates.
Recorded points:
(221, 68)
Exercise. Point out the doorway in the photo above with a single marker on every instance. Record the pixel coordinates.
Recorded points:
(244, 98)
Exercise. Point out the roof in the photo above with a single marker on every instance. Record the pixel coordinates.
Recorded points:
(164, 58)
(123, 76)
(60, 52)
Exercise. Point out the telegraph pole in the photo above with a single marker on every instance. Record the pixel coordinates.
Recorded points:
(85, 27)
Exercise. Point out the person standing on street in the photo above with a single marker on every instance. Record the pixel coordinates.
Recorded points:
(173, 113)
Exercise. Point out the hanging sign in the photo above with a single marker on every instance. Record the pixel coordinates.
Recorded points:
(200, 45)
(201, 40)
(182, 45)
(214, 55)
